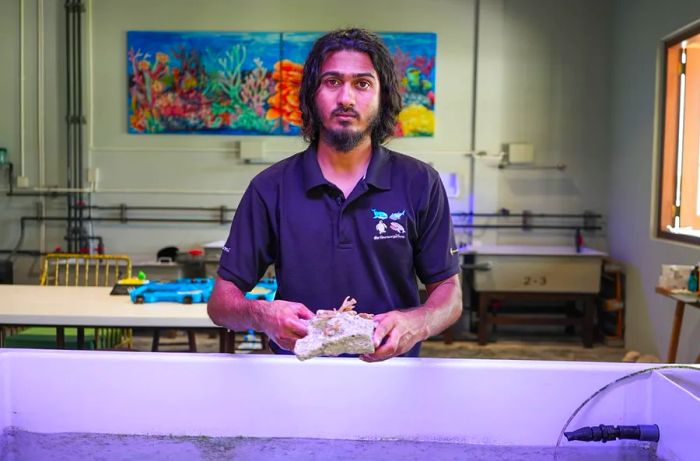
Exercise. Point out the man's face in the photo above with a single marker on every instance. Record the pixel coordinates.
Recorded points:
(347, 99)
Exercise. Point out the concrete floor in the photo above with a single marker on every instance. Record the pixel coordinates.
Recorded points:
(531, 346)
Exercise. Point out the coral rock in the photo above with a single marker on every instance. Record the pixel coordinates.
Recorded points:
(333, 333)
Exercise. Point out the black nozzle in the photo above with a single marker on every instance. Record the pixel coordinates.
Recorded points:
(643, 432)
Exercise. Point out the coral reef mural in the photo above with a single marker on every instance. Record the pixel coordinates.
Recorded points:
(414, 61)
(248, 83)
(201, 82)
(295, 47)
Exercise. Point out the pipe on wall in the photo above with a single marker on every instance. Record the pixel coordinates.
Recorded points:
(41, 110)
(475, 75)
(21, 87)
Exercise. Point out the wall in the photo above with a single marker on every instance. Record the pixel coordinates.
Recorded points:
(544, 79)
(182, 170)
(639, 27)
(194, 164)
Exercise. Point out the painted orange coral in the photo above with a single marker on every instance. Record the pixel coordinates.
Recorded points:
(162, 57)
(284, 103)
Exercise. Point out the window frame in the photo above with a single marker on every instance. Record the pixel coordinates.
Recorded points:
(666, 183)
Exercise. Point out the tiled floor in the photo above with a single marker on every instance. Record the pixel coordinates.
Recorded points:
(550, 347)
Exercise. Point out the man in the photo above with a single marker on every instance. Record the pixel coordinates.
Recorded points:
(346, 217)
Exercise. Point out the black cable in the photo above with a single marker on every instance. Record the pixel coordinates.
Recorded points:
(24, 252)
(15, 250)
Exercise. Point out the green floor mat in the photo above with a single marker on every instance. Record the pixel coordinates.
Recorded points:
(45, 338)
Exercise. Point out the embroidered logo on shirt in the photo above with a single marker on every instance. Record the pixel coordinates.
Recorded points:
(379, 214)
(226, 249)
(394, 230)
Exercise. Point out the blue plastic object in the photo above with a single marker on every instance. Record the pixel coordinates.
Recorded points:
(183, 290)
(693, 280)
(265, 289)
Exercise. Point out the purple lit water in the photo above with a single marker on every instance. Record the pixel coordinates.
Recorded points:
(16, 445)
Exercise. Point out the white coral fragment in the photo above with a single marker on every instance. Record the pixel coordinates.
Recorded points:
(337, 331)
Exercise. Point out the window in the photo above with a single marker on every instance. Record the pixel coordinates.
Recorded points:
(679, 196)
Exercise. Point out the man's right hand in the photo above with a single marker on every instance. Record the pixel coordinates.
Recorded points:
(282, 321)
(285, 322)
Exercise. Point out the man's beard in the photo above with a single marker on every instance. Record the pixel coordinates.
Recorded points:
(344, 140)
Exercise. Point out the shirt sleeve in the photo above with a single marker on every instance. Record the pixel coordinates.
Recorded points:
(249, 249)
(435, 253)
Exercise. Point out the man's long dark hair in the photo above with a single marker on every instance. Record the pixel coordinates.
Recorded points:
(352, 40)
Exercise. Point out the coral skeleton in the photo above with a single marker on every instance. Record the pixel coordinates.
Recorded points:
(337, 331)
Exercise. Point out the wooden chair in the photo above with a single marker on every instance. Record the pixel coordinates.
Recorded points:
(67, 269)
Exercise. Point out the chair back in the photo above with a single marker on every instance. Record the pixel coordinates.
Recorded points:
(69, 269)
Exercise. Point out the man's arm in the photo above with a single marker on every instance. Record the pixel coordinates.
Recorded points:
(280, 320)
(400, 330)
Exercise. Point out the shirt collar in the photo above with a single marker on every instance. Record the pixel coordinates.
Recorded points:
(378, 171)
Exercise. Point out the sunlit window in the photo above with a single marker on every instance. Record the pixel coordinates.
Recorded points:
(679, 195)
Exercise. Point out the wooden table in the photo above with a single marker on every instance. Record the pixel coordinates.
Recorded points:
(59, 306)
(682, 299)
(585, 320)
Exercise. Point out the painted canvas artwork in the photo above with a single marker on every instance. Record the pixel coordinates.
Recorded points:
(414, 61)
(295, 47)
(201, 82)
(240, 83)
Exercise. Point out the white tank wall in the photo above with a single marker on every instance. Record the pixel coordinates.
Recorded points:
(475, 401)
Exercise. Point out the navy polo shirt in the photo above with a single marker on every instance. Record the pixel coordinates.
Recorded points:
(395, 225)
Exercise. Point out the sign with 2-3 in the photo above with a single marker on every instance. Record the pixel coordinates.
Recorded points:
(537, 280)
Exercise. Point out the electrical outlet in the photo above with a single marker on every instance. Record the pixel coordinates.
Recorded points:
(22, 182)
(93, 175)
(252, 150)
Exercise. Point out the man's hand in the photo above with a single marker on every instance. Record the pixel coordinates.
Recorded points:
(284, 322)
(396, 333)
(399, 330)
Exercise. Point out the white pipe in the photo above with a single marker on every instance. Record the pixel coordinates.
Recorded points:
(84, 190)
(223, 150)
(21, 87)
(41, 106)
(169, 191)
(92, 190)
(41, 103)
(91, 85)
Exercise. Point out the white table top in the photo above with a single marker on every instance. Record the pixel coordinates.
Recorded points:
(529, 250)
(92, 306)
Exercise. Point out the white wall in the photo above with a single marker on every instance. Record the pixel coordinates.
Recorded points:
(196, 163)
(544, 79)
(185, 170)
(639, 27)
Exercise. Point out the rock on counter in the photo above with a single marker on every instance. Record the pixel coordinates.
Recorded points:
(335, 332)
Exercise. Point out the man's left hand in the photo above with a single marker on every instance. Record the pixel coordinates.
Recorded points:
(396, 333)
